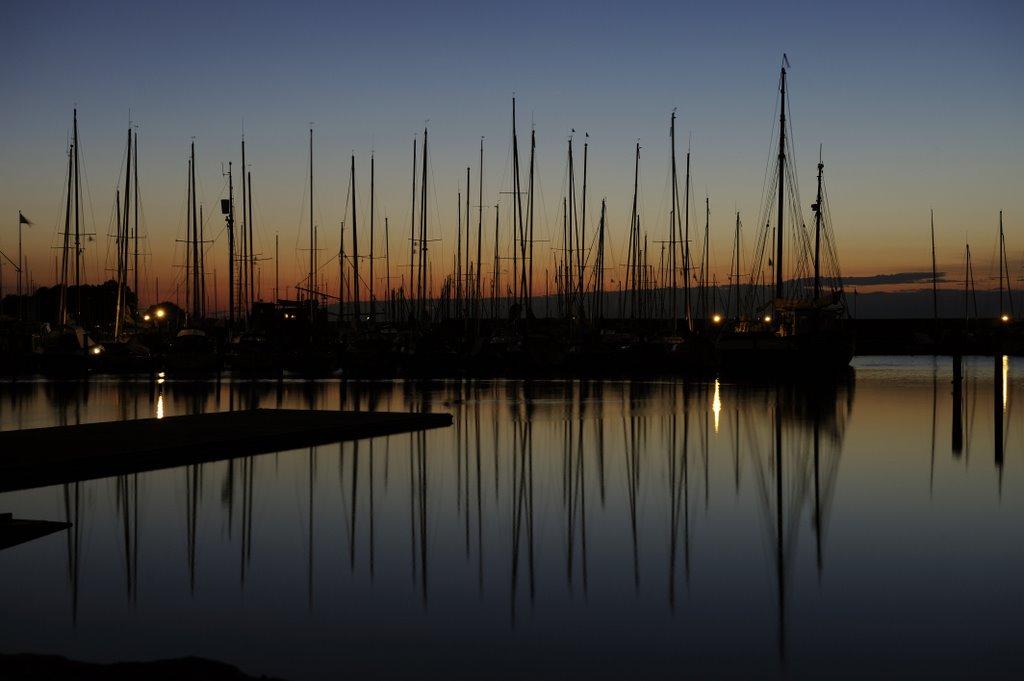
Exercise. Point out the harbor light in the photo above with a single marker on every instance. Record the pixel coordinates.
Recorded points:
(767, 319)
(160, 313)
(1005, 318)
(146, 317)
(717, 319)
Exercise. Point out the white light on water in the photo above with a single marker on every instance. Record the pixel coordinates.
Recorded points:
(1006, 380)
(716, 405)
(160, 406)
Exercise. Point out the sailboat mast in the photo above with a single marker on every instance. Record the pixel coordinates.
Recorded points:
(569, 229)
(600, 265)
(782, 180)
(423, 233)
(479, 232)
(195, 238)
(817, 233)
(529, 206)
(674, 221)
(63, 304)
(634, 239)
(252, 256)
(497, 266)
(412, 228)
(935, 285)
(686, 246)
(1003, 268)
(582, 240)
(135, 230)
(243, 258)
(736, 276)
(231, 247)
(355, 251)
(311, 244)
(373, 305)
(517, 210)
(122, 244)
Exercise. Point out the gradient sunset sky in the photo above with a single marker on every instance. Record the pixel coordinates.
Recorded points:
(918, 106)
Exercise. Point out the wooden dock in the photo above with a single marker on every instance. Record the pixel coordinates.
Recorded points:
(39, 457)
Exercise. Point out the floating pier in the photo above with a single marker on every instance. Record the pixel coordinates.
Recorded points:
(38, 457)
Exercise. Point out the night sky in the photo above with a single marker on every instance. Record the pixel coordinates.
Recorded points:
(917, 107)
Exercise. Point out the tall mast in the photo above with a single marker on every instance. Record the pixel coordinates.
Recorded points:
(63, 304)
(817, 233)
(458, 248)
(686, 245)
(373, 305)
(387, 267)
(423, 233)
(195, 239)
(243, 259)
(599, 265)
(675, 221)
(582, 240)
(78, 211)
(479, 232)
(568, 229)
(705, 268)
(412, 226)
(529, 292)
(355, 251)
(252, 254)
(517, 209)
(188, 240)
(736, 276)
(135, 231)
(497, 266)
(231, 245)
(122, 245)
(782, 180)
(935, 285)
(634, 239)
(312, 246)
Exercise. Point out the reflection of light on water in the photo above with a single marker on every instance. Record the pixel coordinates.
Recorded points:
(716, 404)
(1006, 379)
(160, 405)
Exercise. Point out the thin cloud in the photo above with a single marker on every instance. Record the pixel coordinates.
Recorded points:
(895, 278)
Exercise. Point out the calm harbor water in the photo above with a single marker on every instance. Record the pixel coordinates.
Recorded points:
(869, 528)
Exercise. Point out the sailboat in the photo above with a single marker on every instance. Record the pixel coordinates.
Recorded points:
(802, 329)
(312, 347)
(68, 349)
(192, 351)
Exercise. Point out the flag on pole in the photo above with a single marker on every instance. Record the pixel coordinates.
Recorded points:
(22, 220)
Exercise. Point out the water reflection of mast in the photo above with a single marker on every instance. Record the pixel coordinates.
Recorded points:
(309, 561)
(128, 507)
(935, 410)
(958, 410)
(780, 563)
(575, 487)
(522, 502)
(418, 507)
(72, 515)
(193, 486)
(247, 464)
(678, 498)
(479, 499)
(631, 451)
